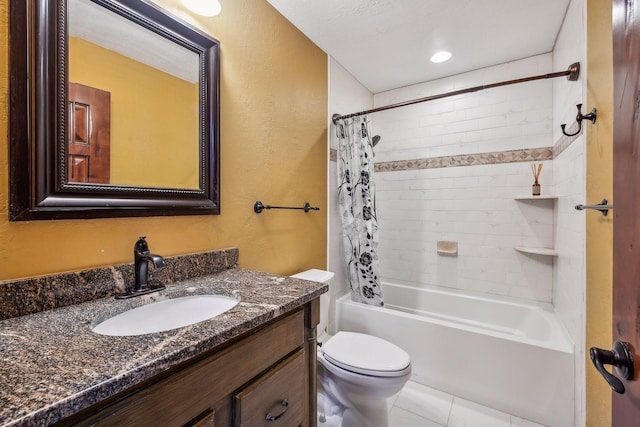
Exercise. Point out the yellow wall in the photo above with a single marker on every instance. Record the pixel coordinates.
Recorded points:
(273, 148)
(154, 117)
(599, 184)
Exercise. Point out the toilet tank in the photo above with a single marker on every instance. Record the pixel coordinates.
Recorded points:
(321, 276)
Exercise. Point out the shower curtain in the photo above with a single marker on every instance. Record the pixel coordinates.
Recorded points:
(356, 199)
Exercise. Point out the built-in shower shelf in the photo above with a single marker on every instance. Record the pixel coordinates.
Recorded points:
(537, 251)
(542, 197)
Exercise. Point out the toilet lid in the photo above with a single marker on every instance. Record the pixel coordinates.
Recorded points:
(366, 354)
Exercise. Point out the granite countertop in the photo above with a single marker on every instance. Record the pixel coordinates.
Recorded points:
(52, 365)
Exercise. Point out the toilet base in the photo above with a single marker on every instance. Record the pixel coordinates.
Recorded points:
(369, 416)
(353, 418)
(327, 407)
(332, 414)
(329, 420)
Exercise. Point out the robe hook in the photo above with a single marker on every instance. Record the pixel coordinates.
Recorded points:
(579, 118)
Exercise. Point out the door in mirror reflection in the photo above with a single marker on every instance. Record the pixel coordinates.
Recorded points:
(88, 150)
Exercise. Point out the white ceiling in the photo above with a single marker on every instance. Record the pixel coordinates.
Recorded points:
(94, 23)
(386, 44)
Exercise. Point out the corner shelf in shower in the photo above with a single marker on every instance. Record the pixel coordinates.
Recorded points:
(536, 251)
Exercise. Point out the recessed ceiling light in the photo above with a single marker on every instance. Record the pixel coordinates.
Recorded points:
(441, 56)
(203, 7)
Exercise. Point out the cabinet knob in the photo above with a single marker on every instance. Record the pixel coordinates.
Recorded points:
(282, 407)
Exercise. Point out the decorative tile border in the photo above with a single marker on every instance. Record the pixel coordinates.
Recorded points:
(526, 155)
(496, 157)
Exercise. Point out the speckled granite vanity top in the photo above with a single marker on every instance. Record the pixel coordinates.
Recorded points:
(53, 365)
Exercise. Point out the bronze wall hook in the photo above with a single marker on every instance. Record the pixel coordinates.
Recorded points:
(579, 118)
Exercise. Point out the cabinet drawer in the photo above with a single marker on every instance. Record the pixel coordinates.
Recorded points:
(276, 399)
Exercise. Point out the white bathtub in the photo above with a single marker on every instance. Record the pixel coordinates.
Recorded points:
(511, 356)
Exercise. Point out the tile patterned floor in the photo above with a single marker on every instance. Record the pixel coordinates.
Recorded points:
(420, 406)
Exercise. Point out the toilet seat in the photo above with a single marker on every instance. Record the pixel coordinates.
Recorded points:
(366, 354)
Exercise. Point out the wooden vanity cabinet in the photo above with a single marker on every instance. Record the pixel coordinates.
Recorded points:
(269, 371)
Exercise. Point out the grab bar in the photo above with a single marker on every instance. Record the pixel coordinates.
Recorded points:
(603, 207)
(259, 207)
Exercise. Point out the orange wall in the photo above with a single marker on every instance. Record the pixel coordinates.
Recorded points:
(599, 184)
(273, 148)
(154, 117)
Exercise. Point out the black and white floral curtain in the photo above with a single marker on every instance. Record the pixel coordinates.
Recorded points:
(356, 199)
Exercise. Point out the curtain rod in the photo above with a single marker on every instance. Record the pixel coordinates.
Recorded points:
(572, 74)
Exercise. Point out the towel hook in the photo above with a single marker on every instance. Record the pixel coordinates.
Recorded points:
(579, 118)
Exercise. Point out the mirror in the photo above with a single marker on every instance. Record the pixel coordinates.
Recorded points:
(138, 93)
(114, 111)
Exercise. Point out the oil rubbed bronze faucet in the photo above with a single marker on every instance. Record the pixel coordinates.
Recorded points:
(142, 256)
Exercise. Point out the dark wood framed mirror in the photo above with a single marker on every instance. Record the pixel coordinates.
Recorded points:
(114, 111)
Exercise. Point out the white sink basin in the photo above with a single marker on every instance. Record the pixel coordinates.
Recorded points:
(166, 315)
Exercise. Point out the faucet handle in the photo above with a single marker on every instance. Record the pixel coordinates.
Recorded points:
(141, 245)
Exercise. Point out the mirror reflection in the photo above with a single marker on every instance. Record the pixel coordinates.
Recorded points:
(133, 104)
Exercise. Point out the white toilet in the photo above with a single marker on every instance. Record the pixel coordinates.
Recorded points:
(356, 372)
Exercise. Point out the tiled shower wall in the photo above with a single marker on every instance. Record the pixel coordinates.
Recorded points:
(486, 142)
